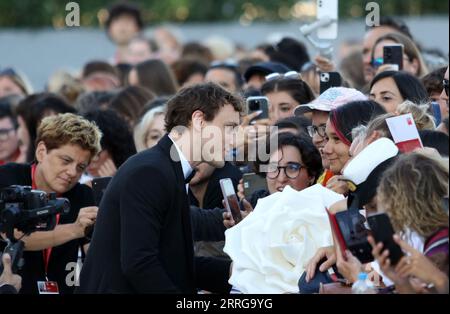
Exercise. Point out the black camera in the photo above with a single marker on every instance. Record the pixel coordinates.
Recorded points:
(28, 211)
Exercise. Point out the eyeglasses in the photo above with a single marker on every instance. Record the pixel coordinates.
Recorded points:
(292, 170)
(288, 75)
(376, 63)
(320, 130)
(4, 134)
(445, 83)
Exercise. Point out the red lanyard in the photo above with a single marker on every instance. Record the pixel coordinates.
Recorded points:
(46, 252)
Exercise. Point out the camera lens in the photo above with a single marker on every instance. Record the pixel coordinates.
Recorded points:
(325, 77)
(254, 105)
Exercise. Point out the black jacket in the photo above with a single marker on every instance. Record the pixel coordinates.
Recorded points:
(142, 241)
(33, 271)
(207, 224)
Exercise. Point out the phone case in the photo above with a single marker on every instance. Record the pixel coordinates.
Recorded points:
(383, 231)
(99, 186)
(231, 200)
(329, 80)
(337, 231)
(393, 54)
(328, 8)
(263, 106)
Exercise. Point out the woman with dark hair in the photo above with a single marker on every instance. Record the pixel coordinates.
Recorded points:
(391, 88)
(129, 103)
(154, 75)
(338, 131)
(30, 113)
(295, 162)
(117, 143)
(297, 125)
(285, 93)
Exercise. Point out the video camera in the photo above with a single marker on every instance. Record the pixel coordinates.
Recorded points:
(27, 210)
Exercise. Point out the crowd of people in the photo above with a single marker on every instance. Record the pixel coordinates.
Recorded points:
(140, 118)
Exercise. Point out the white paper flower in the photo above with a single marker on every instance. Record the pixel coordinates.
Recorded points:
(270, 248)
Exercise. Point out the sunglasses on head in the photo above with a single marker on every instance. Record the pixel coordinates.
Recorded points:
(231, 64)
(288, 75)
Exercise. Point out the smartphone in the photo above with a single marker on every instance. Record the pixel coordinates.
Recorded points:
(393, 54)
(252, 183)
(231, 199)
(329, 80)
(436, 111)
(382, 231)
(258, 103)
(99, 186)
(328, 9)
(354, 234)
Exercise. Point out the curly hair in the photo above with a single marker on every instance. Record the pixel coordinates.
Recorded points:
(423, 120)
(117, 138)
(412, 193)
(68, 128)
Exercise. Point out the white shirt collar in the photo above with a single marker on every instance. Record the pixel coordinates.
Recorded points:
(185, 165)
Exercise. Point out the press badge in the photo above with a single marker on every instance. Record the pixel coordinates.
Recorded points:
(48, 287)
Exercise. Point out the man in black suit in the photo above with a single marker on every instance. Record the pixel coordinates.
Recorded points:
(143, 241)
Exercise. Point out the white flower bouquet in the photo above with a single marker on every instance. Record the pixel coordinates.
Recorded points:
(271, 247)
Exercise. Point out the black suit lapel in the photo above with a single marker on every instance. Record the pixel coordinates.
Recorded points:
(170, 151)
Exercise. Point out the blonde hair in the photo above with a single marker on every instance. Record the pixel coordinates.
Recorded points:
(412, 193)
(423, 120)
(143, 127)
(20, 79)
(68, 128)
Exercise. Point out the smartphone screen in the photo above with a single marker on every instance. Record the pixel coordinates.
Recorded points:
(393, 54)
(231, 199)
(258, 104)
(382, 231)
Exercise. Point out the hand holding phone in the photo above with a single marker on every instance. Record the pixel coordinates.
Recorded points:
(259, 103)
(230, 199)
